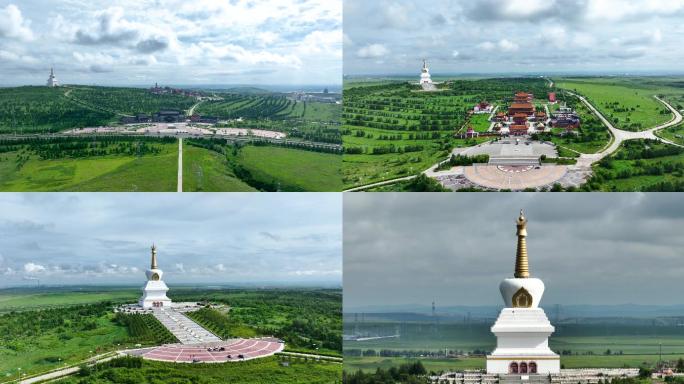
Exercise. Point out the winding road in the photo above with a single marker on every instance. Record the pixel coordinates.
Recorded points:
(620, 135)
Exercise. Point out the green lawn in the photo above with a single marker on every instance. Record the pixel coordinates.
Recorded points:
(480, 122)
(149, 173)
(209, 171)
(20, 301)
(260, 371)
(292, 169)
(629, 105)
(674, 134)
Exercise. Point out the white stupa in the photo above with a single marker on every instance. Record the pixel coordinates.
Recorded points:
(52, 80)
(154, 291)
(425, 79)
(522, 330)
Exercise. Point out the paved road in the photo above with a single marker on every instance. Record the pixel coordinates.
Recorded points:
(180, 164)
(69, 371)
(620, 135)
(191, 111)
(379, 184)
(310, 355)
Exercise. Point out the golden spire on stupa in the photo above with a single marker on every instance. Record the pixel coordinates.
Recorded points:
(522, 268)
(154, 257)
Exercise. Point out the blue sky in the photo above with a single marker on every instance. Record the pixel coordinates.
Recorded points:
(103, 238)
(171, 41)
(509, 36)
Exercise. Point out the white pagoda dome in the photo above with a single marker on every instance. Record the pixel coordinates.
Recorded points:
(522, 330)
(154, 291)
(52, 80)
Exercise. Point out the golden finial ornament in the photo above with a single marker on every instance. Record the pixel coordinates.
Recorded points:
(522, 268)
(154, 257)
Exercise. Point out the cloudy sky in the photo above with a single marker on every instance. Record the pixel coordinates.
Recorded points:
(495, 36)
(101, 238)
(588, 248)
(140, 42)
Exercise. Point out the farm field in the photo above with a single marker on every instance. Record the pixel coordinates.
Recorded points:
(628, 103)
(23, 169)
(260, 371)
(276, 168)
(209, 171)
(640, 165)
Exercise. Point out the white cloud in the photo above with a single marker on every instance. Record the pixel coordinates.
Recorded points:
(508, 46)
(372, 51)
(13, 24)
(34, 268)
(322, 43)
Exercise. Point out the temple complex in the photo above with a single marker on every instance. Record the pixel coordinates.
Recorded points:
(522, 328)
(52, 80)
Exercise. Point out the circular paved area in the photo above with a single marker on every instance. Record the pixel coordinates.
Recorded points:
(218, 352)
(491, 176)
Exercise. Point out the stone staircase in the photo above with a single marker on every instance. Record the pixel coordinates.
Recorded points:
(184, 328)
(514, 160)
(524, 379)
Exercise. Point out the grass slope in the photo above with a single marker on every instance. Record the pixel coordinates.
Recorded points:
(293, 169)
(149, 173)
(208, 171)
(260, 371)
(628, 104)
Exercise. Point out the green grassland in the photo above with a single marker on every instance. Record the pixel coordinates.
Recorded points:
(208, 171)
(674, 134)
(392, 129)
(627, 102)
(47, 329)
(370, 364)
(580, 345)
(288, 169)
(42, 109)
(640, 165)
(40, 340)
(276, 107)
(119, 164)
(260, 371)
(23, 169)
(11, 300)
(128, 101)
